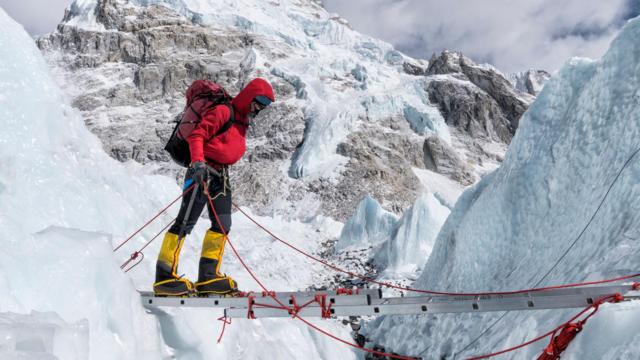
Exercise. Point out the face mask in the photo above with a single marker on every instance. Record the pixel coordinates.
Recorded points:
(255, 110)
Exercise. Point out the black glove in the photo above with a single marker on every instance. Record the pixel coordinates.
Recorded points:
(199, 172)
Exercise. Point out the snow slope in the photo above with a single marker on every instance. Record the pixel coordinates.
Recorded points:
(507, 231)
(64, 204)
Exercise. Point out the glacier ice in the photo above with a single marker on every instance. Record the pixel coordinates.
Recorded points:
(410, 246)
(420, 123)
(40, 336)
(369, 226)
(508, 230)
(57, 213)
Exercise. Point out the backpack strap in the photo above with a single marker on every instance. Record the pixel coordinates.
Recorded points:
(226, 125)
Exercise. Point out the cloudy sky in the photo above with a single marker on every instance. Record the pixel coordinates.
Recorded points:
(514, 35)
(37, 16)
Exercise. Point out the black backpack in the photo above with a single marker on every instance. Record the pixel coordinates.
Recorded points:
(202, 95)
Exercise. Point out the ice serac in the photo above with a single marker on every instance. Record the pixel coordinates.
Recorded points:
(507, 231)
(57, 216)
(369, 226)
(410, 246)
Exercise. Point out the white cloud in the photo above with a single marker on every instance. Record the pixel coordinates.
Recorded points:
(37, 16)
(513, 35)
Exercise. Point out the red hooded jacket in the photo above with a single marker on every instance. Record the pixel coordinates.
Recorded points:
(228, 147)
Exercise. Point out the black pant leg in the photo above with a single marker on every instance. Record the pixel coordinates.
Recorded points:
(180, 227)
(221, 194)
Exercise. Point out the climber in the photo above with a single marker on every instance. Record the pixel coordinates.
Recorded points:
(216, 142)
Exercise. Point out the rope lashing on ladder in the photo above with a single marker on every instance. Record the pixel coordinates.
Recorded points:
(293, 310)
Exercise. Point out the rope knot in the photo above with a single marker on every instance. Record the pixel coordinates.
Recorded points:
(325, 309)
(344, 291)
(635, 286)
(295, 308)
(251, 302)
(617, 298)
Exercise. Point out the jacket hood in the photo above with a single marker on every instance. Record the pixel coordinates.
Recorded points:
(256, 87)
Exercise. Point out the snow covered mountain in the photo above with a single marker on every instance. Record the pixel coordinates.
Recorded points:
(354, 116)
(570, 183)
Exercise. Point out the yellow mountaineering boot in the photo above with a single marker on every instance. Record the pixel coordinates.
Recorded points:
(168, 283)
(210, 280)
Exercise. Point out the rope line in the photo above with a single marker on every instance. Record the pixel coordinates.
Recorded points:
(135, 254)
(406, 288)
(590, 220)
(153, 218)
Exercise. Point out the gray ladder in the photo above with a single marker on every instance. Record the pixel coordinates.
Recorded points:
(371, 302)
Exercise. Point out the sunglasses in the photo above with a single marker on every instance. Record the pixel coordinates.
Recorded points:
(262, 100)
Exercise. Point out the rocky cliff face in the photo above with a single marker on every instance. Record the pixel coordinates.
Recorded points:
(353, 115)
(475, 99)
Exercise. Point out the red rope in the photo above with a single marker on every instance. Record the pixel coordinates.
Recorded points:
(153, 218)
(610, 298)
(225, 321)
(559, 343)
(250, 303)
(345, 291)
(131, 258)
(325, 308)
(139, 252)
(264, 288)
(389, 285)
